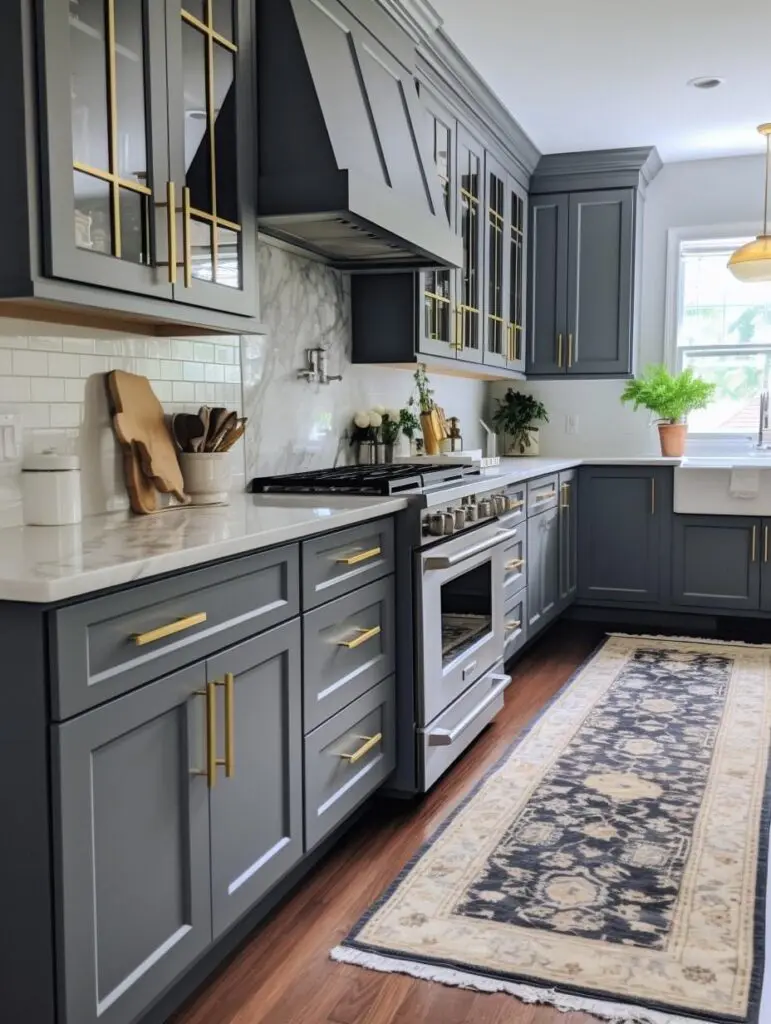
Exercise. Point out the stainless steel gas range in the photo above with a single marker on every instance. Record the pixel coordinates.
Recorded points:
(451, 547)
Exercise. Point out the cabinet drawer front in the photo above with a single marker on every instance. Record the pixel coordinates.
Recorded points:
(338, 563)
(347, 758)
(515, 624)
(517, 495)
(542, 494)
(110, 645)
(348, 646)
(515, 563)
(449, 735)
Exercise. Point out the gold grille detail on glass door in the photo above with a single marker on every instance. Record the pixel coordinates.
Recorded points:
(468, 308)
(217, 46)
(496, 228)
(516, 296)
(437, 300)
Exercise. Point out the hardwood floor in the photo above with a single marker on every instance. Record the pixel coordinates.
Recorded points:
(283, 974)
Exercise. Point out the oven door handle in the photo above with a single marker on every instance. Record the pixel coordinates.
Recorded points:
(446, 737)
(448, 561)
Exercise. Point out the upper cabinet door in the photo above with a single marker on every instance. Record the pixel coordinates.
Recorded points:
(517, 235)
(472, 226)
(212, 132)
(547, 306)
(600, 279)
(497, 253)
(438, 322)
(105, 144)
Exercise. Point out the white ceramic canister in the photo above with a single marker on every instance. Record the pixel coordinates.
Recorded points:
(206, 476)
(50, 489)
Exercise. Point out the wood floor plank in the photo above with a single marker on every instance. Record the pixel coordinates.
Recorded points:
(283, 974)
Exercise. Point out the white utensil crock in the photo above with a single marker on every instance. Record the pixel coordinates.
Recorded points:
(206, 476)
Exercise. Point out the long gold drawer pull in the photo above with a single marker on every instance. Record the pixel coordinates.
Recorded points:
(210, 693)
(187, 243)
(140, 639)
(559, 351)
(516, 563)
(362, 556)
(570, 351)
(765, 543)
(514, 505)
(362, 638)
(370, 742)
(653, 495)
(545, 497)
(754, 542)
(511, 626)
(229, 760)
(171, 227)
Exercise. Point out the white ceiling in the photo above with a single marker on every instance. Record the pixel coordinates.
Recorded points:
(600, 74)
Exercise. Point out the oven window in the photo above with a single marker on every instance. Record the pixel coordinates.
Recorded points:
(467, 611)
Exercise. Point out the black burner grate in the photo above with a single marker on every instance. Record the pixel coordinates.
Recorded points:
(390, 479)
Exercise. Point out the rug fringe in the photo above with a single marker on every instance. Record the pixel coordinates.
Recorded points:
(692, 640)
(617, 1013)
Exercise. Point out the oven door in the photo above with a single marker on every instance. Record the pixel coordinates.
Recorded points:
(461, 634)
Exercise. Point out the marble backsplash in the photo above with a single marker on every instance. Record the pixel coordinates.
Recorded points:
(294, 425)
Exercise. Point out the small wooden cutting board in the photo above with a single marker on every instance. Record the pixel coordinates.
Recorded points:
(150, 461)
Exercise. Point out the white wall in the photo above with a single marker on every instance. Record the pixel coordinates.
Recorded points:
(698, 193)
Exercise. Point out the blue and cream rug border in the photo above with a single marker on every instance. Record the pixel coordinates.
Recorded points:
(499, 827)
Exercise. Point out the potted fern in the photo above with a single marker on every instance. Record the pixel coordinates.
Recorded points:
(669, 397)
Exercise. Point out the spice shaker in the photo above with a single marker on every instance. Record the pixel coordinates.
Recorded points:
(50, 486)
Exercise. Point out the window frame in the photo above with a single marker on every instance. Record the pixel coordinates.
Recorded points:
(718, 233)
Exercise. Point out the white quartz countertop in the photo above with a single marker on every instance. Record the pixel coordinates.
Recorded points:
(44, 564)
(54, 563)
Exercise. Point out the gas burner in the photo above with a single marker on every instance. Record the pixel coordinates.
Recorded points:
(401, 478)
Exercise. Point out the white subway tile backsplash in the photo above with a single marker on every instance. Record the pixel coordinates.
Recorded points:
(80, 345)
(233, 374)
(35, 416)
(182, 391)
(6, 362)
(65, 415)
(75, 390)
(225, 354)
(148, 367)
(30, 364)
(14, 389)
(182, 349)
(64, 364)
(47, 389)
(45, 344)
(163, 390)
(214, 373)
(93, 364)
(192, 371)
(13, 343)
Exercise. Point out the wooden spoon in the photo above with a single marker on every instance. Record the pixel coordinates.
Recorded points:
(204, 414)
(227, 423)
(186, 428)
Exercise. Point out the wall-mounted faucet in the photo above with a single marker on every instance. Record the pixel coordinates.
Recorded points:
(763, 419)
(316, 370)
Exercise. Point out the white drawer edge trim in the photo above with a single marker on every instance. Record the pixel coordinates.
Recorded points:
(348, 785)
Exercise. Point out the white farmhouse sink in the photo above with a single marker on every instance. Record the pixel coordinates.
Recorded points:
(702, 485)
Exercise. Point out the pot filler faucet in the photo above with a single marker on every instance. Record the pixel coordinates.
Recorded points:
(763, 417)
(316, 371)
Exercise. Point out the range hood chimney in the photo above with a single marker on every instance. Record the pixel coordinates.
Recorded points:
(346, 164)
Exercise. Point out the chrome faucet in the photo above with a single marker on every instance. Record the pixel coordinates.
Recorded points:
(763, 418)
(317, 370)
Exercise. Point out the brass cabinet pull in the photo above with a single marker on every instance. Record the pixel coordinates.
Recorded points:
(565, 495)
(362, 638)
(362, 556)
(369, 743)
(210, 693)
(559, 351)
(140, 639)
(653, 495)
(511, 626)
(460, 340)
(517, 563)
(187, 255)
(229, 760)
(765, 543)
(570, 350)
(545, 497)
(171, 228)
(754, 542)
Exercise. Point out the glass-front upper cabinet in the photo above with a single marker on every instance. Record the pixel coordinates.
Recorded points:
(496, 263)
(470, 326)
(148, 175)
(439, 287)
(212, 126)
(517, 233)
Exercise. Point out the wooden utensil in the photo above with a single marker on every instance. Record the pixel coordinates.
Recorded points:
(216, 417)
(232, 436)
(204, 415)
(140, 426)
(186, 428)
(227, 423)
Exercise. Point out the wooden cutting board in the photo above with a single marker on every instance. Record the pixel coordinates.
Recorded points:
(149, 458)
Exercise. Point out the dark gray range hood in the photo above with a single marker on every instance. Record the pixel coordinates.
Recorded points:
(346, 168)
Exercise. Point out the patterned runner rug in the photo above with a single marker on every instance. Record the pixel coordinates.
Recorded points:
(614, 861)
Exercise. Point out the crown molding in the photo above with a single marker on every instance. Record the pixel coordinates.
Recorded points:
(417, 17)
(635, 167)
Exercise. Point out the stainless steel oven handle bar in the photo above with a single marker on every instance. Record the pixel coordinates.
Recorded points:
(448, 561)
(446, 737)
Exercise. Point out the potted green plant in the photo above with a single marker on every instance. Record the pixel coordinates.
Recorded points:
(429, 418)
(669, 397)
(517, 415)
(410, 426)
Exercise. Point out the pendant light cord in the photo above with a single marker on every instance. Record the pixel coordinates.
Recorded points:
(768, 176)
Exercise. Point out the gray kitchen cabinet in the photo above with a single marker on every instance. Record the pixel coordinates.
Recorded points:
(517, 276)
(718, 561)
(625, 511)
(497, 331)
(256, 805)
(132, 869)
(568, 536)
(765, 566)
(543, 569)
(548, 286)
(142, 200)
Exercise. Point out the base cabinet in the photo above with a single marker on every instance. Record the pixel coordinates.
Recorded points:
(717, 562)
(133, 870)
(543, 575)
(568, 537)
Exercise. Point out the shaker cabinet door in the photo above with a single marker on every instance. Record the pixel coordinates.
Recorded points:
(543, 567)
(212, 132)
(132, 862)
(517, 276)
(568, 537)
(256, 804)
(497, 253)
(548, 285)
(717, 561)
(471, 217)
(105, 144)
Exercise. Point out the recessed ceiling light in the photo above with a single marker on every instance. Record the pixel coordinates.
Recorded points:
(706, 82)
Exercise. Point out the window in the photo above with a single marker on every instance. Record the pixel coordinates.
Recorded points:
(723, 332)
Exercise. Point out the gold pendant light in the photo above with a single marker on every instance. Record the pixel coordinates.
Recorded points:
(752, 262)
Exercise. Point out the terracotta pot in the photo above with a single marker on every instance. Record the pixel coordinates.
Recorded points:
(432, 431)
(672, 437)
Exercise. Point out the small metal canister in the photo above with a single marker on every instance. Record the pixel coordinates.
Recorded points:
(472, 513)
(485, 508)
(499, 501)
(459, 517)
